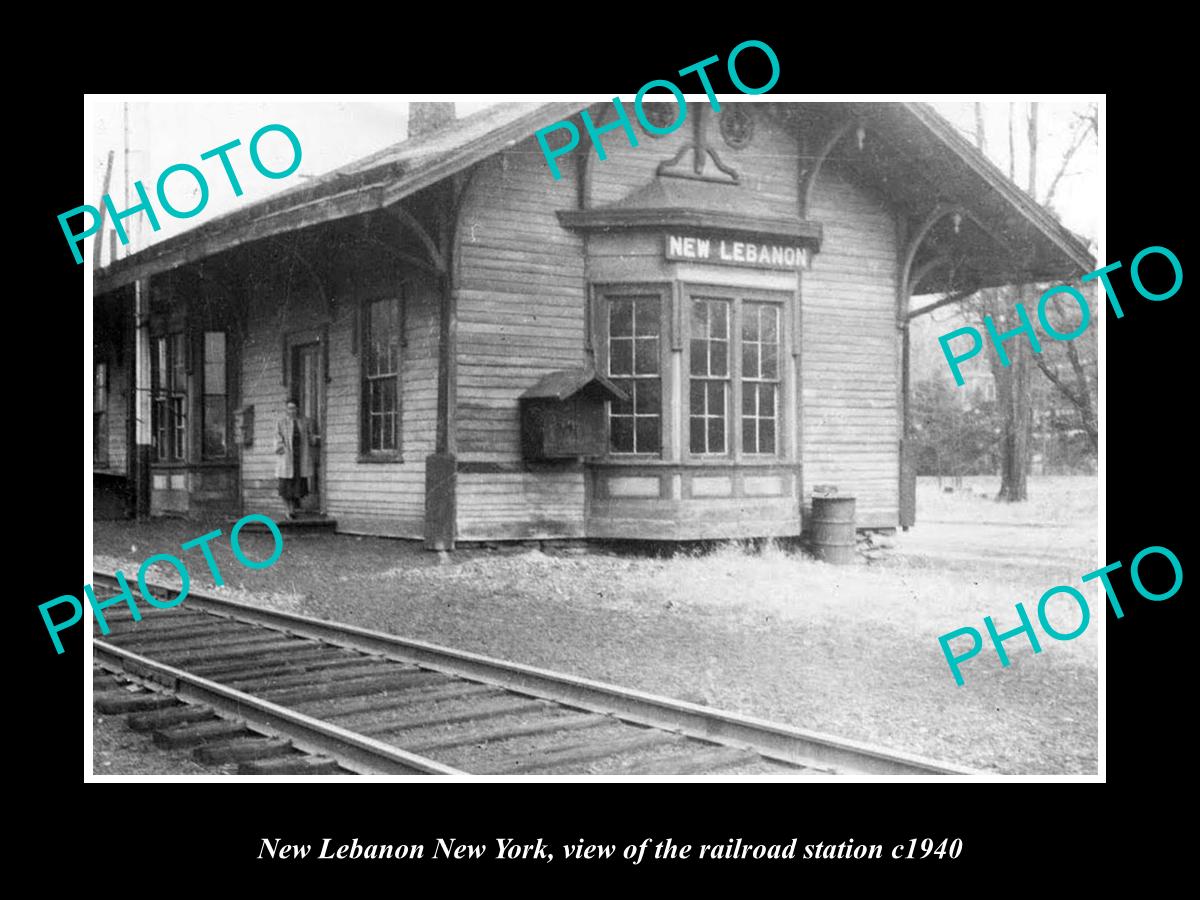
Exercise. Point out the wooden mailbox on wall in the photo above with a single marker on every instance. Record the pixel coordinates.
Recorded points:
(562, 416)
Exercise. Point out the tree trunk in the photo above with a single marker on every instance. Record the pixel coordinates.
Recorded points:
(1013, 392)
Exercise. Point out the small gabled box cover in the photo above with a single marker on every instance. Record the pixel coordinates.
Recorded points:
(567, 383)
(562, 416)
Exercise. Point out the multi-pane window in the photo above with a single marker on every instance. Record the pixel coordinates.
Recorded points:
(381, 377)
(710, 375)
(760, 377)
(733, 363)
(215, 407)
(100, 415)
(170, 397)
(634, 364)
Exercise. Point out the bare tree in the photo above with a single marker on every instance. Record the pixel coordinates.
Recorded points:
(1070, 366)
(1012, 381)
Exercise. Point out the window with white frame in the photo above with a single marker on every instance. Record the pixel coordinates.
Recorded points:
(735, 344)
(170, 397)
(634, 353)
(381, 344)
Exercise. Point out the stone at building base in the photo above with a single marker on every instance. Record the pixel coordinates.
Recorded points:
(441, 517)
(875, 544)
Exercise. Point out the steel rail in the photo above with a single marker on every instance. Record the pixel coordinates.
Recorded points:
(771, 740)
(356, 752)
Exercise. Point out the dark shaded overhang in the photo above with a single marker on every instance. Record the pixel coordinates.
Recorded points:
(374, 182)
(924, 167)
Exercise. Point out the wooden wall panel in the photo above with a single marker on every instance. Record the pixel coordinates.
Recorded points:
(521, 305)
(386, 498)
(850, 425)
(118, 418)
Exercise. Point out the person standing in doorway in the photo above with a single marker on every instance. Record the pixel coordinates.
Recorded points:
(295, 438)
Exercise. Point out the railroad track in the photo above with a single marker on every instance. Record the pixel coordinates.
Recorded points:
(280, 693)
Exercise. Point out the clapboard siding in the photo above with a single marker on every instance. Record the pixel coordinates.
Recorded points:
(118, 420)
(386, 498)
(850, 417)
(520, 308)
(520, 505)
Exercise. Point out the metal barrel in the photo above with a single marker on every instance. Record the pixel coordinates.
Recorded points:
(832, 533)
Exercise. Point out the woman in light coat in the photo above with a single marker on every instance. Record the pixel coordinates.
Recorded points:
(295, 437)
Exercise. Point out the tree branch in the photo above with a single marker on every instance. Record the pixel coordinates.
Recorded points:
(1080, 137)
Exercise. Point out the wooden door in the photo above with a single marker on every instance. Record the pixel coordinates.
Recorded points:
(308, 389)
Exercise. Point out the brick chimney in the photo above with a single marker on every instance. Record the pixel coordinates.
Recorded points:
(426, 118)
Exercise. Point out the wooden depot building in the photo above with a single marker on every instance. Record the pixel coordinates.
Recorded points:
(677, 342)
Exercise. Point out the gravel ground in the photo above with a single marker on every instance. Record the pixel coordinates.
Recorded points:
(851, 651)
(116, 750)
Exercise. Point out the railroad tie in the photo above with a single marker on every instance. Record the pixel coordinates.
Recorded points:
(140, 635)
(292, 765)
(119, 702)
(493, 732)
(187, 658)
(183, 714)
(711, 760)
(576, 754)
(353, 686)
(243, 749)
(238, 667)
(193, 735)
(456, 690)
(150, 645)
(502, 706)
(252, 684)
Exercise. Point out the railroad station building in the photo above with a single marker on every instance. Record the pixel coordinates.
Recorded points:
(676, 342)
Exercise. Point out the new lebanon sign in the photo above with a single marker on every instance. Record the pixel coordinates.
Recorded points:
(723, 251)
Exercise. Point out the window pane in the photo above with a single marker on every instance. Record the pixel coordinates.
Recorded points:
(100, 394)
(161, 354)
(697, 399)
(716, 435)
(647, 434)
(214, 426)
(750, 324)
(719, 320)
(770, 325)
(699, 355)
(647, 323)
(180, 424)
(621, 434)
(178, 363)
(620, 320)
(719, 359)
(766, 436)
(649, 396)
(623, 407)
(646, 357)
(214, 362)
(697, 434)
(766, 400)
(770, 361)
(620, 360)
(748, 396)
(749, 360)
(716, 398)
